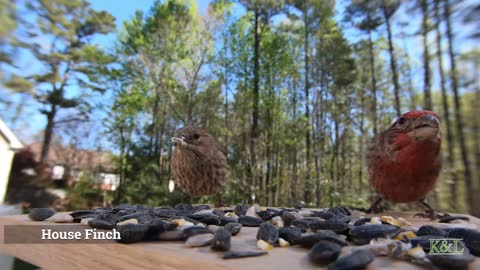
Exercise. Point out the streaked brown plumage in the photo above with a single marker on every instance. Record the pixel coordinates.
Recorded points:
(198, 162)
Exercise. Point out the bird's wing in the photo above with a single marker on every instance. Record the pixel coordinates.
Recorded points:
(221, 148)
(372, 150)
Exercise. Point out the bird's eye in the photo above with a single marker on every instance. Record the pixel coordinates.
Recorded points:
(196, 136)
(403, 123)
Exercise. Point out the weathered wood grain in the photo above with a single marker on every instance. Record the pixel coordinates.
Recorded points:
(175, 255)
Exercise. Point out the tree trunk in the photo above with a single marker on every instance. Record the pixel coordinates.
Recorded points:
(476, 131)
(458, 117)
(308, 185)
(163, 128)
(227, 125)
(350, 166)
(269, 130)
(47, 136)
(294, 181)
(393, 64)
(427, 94)
(189, 113)
(247, 175)
(374, 83)
(361, 140)
(226, 82)
(319, 144)
(154, 146)
(256, 82)
(340, 171)
(119, 190)
(411, 89)
(336, 146)
(446, 113)
(276, 173)
(318, 190)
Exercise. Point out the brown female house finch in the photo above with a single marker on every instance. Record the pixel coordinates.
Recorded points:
(198, 162)
(404, 161)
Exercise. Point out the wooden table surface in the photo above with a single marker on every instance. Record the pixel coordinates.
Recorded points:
(175, 255)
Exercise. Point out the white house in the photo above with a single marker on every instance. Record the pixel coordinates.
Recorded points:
(9, 143)
(108, 181)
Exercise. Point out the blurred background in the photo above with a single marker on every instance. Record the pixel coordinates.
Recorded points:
(92, 91)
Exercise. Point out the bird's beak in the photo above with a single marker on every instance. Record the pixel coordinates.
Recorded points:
(426, 127)
(176, 141)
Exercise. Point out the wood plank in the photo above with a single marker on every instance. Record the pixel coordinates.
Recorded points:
(174, 255)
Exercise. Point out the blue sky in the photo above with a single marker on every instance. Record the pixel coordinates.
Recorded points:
(123, 10)
(32, 122)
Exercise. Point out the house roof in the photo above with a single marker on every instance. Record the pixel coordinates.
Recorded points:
(75, 158)
(12, 140)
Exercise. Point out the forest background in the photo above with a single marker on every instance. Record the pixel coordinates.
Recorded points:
(295, 89)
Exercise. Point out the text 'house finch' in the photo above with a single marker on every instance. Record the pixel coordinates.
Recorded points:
(198, 162)
(404, 161)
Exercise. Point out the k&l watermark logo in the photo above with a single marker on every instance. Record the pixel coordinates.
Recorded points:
(446, 247)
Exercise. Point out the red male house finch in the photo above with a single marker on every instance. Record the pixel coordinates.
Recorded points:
(404, 161)
(198, 162)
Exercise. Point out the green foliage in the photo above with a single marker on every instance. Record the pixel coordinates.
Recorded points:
(83, 195)
(317, 94)
(162, 84)
(7, 19)
(364, 14)
(58, 37)
(145, 188)
(8, 23)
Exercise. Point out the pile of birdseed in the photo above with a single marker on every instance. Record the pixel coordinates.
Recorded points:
(323, 233)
